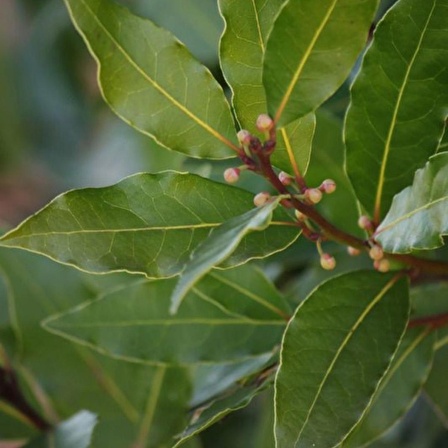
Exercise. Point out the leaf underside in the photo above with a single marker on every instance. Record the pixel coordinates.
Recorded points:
(418, 216)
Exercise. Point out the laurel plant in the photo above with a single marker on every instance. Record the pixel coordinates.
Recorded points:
(327, 285)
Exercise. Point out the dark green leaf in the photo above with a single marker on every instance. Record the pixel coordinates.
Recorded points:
(147, 223)
(398, 389)
(242, 50)
(435, 387)
(72, 378)
(75, 432)
(335, 351)
(133, 323)
(310, 52)
(153, 83)
(218, 246)
(418, 216)
(399, 100)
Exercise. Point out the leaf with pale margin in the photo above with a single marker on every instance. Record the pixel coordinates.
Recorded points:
(242, 49)
(133, 323)
(310, 52)
(147, 223)
(399, 102)
(335, 350)
(153, 83)
(221, 242)
(217, 409)
(399, 388)
(418, 216)
(76, 432)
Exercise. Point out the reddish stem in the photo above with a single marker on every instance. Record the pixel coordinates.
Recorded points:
(435, 321)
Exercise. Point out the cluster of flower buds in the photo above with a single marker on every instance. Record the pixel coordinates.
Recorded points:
(365, 223)
(380, 263)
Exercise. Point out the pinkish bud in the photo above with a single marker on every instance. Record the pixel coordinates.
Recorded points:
(299, 215)
(353, 251)
(376, 253)
(327, 262)
(264, 123)
(285, 178)
(244, 137)
(232, 175)
(314, 195)
(365, 223)
(382, 265)
(328, 186)
(261, 198)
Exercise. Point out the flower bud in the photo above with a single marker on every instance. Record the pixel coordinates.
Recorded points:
(382, 265)
(327, 262)
(365, 223)
(299, 215)
(376, 253)
(232, 175)
(314, 195)
(353, 251)
(285, 178)
(328, 186)
(264, 123)
(244, 137)
(261, 198)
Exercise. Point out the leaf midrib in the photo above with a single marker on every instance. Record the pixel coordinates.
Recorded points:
(390, 132)
(303, 61)
(345, 342)
(155, 84)
(410, 214)
(168, 322)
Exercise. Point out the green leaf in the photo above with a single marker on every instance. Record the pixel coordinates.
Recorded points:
(398, 389)
(242, 49)
(75, 432)
(399, 99)
(153, 83)
(66, 377)
(310, 52)
(418, 216)
(216, 410)
(133, 323)
(435, 387)
(218, 246)
(147, 223)
(335, 350)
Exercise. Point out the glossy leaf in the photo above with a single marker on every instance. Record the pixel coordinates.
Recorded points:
(398, 389)
(310, 52)
(134, 323)
(399, 99)
(153, 83)
(418, 216)
(335, 350)
(71, 377)
(221, 242)
(147, 223)
(75, 432)
(242, 49)
(216, 410)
